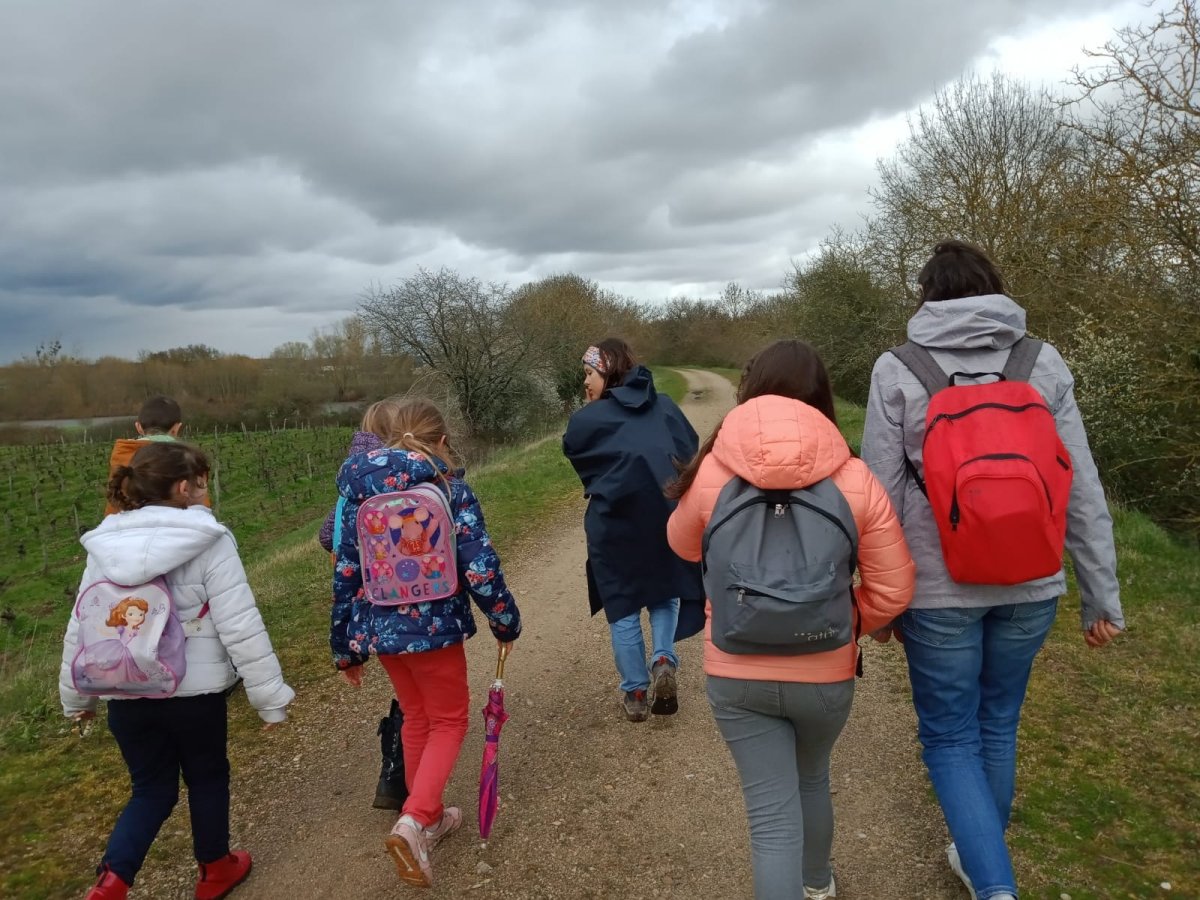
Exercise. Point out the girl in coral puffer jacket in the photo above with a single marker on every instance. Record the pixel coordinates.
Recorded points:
(780, 715)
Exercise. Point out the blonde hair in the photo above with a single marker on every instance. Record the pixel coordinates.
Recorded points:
(411, 424)
(116, 615)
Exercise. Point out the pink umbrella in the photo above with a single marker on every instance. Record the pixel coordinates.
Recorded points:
(494, 718)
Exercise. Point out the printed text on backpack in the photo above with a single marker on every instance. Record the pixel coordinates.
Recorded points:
(406, 545)
(778, 566)
(131, 643)
(996, 472)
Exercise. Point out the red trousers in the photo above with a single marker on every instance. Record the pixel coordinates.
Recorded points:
(433, 693)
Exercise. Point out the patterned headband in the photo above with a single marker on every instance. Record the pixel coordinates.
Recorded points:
(593, 358)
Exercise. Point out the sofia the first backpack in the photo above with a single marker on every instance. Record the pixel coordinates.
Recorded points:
(130, 640)
(406, 544)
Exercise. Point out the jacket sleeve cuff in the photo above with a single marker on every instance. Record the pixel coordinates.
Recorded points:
(271, 716)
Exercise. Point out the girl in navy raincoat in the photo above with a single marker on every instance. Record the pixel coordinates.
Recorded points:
(623, 445)
(419, 645)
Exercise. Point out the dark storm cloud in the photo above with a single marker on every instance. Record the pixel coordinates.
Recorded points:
(162, 162)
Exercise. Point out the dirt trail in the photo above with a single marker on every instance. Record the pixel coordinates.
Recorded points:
(593, 806)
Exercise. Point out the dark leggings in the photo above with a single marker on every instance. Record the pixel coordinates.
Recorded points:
(161, 739)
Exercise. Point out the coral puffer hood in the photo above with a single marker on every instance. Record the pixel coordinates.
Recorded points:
(775, 442)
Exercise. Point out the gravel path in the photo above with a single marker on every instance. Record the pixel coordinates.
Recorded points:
(593, 806)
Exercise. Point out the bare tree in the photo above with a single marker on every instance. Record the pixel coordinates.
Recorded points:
(1139, 104)
(458, 327)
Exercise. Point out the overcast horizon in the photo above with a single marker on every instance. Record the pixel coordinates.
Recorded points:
(237, 176)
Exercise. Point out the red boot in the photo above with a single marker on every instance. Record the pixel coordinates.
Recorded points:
(218, 878)
(108, 887)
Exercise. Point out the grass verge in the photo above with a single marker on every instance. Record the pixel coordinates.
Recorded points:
(670, 382)
(60, 793)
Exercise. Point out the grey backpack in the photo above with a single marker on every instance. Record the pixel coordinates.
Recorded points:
(778, 566)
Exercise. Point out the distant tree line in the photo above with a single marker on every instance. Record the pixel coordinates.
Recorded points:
(296, 381)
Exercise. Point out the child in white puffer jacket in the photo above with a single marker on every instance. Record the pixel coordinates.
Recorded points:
(165, 530)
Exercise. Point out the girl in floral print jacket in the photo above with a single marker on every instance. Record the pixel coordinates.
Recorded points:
(420, 646)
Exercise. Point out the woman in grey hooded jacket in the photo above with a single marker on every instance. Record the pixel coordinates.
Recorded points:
(970, 647)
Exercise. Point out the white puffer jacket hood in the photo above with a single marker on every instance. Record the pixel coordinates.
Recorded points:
(198, 557)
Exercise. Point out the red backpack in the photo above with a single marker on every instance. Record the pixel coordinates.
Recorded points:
(997, 475)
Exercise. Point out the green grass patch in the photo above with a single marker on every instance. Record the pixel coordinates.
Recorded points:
(1109, 781)
(60, 793)
(850, 418)
(670, 382)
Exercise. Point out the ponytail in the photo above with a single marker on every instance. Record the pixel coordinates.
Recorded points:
(152, 474)
(413, 425)
(117, 488)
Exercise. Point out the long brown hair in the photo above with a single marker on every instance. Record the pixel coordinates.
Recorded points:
(786, 368)
(153, 472)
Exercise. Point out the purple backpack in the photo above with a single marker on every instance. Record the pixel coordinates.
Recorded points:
(131, 642)
(406, 544)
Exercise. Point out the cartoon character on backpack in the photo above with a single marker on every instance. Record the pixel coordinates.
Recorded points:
(131, 643)
(412, 559)
(110, 657)
(410, 530)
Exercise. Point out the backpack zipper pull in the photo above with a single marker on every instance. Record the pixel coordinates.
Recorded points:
(779, 510)
(741, 595)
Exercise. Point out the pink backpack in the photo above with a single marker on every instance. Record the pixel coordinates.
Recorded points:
(130, 640)
(406, 544)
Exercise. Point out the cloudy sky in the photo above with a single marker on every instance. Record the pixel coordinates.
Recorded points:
(237, 174)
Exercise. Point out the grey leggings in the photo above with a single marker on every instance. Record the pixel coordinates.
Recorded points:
(781, 734)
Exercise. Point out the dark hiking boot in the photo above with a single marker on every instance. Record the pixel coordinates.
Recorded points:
(662, 680)
(391, 791)
(636, 708)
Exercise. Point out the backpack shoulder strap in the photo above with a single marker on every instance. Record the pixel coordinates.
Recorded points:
(922, 364)
(1021, 358)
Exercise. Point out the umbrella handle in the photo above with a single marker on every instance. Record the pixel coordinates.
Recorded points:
(501, 657)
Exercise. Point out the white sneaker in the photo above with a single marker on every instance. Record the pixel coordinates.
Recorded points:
(957, 868)
(821, 893)
(451, 821)
(409, 849)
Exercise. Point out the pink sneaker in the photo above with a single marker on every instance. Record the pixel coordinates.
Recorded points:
(409, 849)
(452, 819)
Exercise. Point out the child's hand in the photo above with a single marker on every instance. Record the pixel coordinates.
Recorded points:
(271, 726)
(505, 646)
(83, 721)
(353, 676)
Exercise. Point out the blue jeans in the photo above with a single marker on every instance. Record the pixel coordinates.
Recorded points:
(161, 739)
(629, 649)
(780, 735)
(969, 669)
